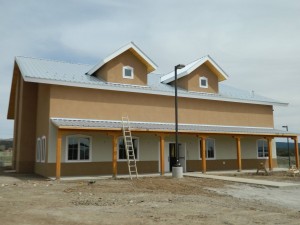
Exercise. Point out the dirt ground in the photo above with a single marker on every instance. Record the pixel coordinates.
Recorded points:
(159, 200)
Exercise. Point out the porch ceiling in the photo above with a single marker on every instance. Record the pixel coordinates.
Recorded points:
(114, 125)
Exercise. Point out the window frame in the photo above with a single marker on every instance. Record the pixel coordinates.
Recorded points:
(38, 150)
(265, 149)
(43, 149)
(78, 144)
(206, 150)
(137, 156)
(128, 68)
(200, 83)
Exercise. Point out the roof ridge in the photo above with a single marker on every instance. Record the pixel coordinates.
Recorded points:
(198, 59)
(52, 60)
(187, 64)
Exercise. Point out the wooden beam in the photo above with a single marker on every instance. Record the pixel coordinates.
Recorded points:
(238, 153)
(296, 151)
(114, 156)
(58, 154)
(203, 153)
(162, 154)
(270, 154)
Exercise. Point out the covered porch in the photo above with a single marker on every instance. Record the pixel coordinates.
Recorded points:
(163, 131)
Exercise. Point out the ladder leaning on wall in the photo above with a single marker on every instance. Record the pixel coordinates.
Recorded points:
(132, 168)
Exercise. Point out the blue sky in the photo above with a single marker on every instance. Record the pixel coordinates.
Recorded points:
(256, 42)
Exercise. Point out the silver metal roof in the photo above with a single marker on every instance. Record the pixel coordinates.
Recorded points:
(70, 74)
(165, 127)
(191, 67)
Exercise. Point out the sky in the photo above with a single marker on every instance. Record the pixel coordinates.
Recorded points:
(256, 42)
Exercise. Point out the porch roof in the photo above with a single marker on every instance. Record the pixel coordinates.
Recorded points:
(116, 125)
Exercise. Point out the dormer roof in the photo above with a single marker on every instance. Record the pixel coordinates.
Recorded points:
(194, 65)
(151, 66)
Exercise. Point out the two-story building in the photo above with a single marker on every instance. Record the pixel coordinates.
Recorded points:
(67, 117)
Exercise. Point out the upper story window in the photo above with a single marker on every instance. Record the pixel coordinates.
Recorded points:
(203, 82)
(262, 148)
(78, 148)
(128, 72)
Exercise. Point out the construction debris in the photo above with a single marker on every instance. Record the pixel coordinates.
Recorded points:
(293, 170)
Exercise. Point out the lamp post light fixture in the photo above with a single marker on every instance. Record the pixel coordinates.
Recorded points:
(288, 142)
(179, 66)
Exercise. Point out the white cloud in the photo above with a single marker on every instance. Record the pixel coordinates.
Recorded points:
(256, 42)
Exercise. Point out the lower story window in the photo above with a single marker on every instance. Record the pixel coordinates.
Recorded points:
(43, 151)
(122, 150)
(78, 148)
(210, 148)
(262, 148)
(38, 150)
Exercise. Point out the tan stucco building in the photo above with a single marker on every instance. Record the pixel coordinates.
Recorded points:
(68, 117)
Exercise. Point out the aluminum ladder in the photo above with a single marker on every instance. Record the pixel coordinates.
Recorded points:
(131, 161)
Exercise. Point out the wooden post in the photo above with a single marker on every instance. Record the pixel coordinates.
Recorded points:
(296, 151)
(114, 155)
(238, 153)
(162, 154)
(270, 153)
(58, 154)
(203, 153)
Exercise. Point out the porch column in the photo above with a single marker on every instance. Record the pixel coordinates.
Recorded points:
(270, 153)
(238, 153)
(296, 151)
(203, 153)
(58, 154)
(162, 154)
(114, 155)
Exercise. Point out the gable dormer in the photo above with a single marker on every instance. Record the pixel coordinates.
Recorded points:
(128, 65)
(202, 75)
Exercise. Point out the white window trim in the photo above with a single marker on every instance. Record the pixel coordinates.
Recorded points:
(206, 150)
(43, 149)
(265, 141)
(138, 149)
(38, 150)
(90, 150)
(132, 72)
(200, 84)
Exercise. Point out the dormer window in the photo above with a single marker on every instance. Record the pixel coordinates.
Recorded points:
(128, 72)
(203, 82)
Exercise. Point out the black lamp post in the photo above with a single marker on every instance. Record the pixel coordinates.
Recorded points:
(288, 142)
(179, 66)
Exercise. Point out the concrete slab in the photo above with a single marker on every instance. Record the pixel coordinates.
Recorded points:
(267, 183)
(75, 178)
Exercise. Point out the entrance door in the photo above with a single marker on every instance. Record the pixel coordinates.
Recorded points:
(170, 156)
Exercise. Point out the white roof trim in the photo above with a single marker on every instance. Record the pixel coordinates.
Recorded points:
(183, 72)
(159, 123)
(120, 51)
(135, 89)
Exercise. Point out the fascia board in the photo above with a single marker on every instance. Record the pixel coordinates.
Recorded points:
(218, 67)
(120, 51)
(170, 77)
